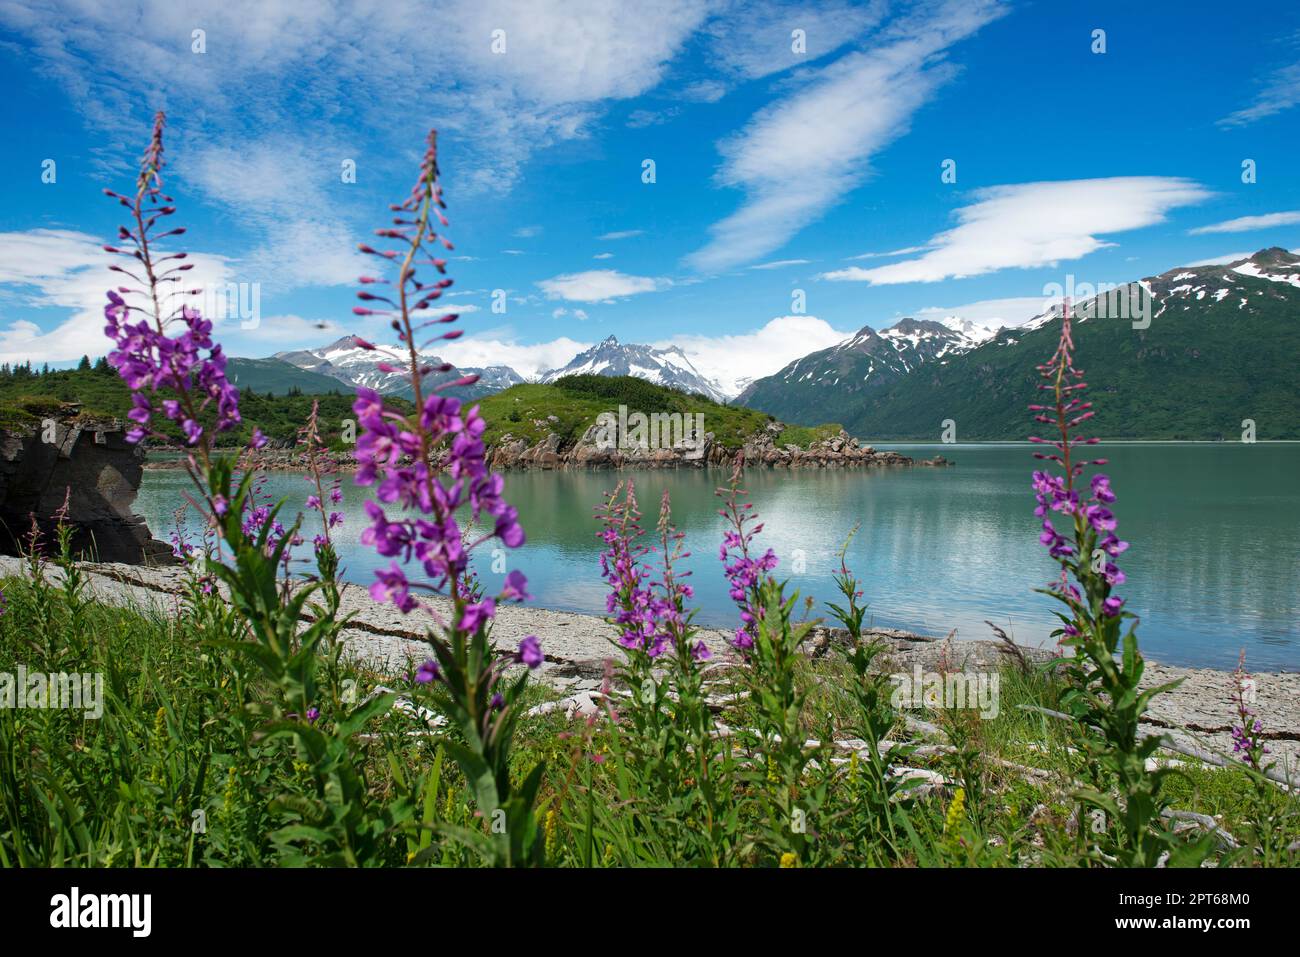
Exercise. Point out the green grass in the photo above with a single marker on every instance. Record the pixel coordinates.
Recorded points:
(180, 741)
(575, 402)
(805, 435)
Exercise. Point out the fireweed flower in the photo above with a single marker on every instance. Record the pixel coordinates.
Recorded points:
(147, 355)
(431, 488)
(745, 574)
(1090, 546)
(651, 614)
(641, 611)
(427, 672)
(1248, 730)
(403, 456)
(530, 651)
(322, 470)
(160, 344)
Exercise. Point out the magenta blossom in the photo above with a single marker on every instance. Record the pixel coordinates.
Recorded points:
(530, 651)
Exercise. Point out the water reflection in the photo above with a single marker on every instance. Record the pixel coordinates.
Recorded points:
(1213, 567)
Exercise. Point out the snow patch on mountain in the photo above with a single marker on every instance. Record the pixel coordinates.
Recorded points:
(357, 367)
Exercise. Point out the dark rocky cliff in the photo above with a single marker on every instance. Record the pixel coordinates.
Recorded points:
(45, 457)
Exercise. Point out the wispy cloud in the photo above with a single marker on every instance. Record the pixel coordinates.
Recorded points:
(800, 155)
(599, 285)
(705, 91)
(1007, 227)
(1221, 260)
(905, 251)
(1280, 91)
(621, 234)
(768, 44)
(1244, 224)
(639, 119)
(781, 264)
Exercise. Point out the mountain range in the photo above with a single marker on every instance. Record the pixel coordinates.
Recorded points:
(1222, 346)
(345, 361)
(346, 364)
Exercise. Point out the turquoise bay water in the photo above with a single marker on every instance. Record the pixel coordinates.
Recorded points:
(1213, 567)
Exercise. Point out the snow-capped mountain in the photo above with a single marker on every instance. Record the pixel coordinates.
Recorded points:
(667, 367)
(967, 328)
(346, 361)
(1204, 348)
(852, 369)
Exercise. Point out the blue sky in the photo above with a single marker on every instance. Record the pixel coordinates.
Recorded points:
(776, 169)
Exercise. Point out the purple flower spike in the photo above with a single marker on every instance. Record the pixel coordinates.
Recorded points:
(1089, 553)
(406, 456)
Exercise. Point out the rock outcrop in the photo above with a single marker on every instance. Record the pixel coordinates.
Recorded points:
(601, 447)
(44, 458)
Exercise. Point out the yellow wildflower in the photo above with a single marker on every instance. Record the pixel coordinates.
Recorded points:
(552, 833)
(956, 812)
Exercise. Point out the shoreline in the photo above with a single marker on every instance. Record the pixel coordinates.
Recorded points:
(577, 645)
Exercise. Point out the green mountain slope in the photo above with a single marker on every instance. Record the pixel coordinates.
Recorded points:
(280, 378)
(1223, 346)
(861, 366)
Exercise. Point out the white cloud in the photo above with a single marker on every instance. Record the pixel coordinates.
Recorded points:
(988, 313)
(599, 285)
(528, 232)
(800, 155)
(1035, 224)
(1221, 260)
(527, 359)
(621, 234)
(705, 91)
(781, 263)
(294, 87)
(278, 333)
(68, 270)
(603, 256)
(729, 359)
(1244, 224)
(1281, 92)
(905, 251)
(639, 119)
